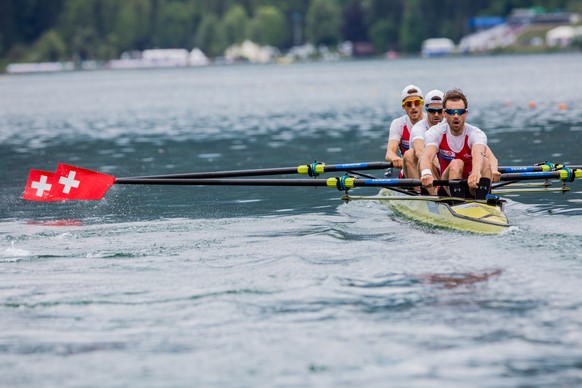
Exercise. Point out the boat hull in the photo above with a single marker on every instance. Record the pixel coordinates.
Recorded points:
(471, 217)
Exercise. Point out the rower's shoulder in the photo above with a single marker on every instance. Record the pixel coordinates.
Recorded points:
(439, 128)
(420, 124)
(401, 120)
(471, 127)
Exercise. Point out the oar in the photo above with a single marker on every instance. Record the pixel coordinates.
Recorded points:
(318, 168)
(566, 174)
(312, 170)
(74, 183)
(537, 168)
(532, 190)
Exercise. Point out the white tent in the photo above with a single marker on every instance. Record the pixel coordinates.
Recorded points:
(251, 51)
(562, 36)
(198, 58)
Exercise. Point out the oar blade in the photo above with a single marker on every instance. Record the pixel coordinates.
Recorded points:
(78, 183)
(67, 183)
(41, 187)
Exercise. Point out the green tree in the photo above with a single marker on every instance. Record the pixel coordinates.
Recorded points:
(175, 25)
(107, 17)
(384, 35)
(574, 6)
(132, 24)
(323, 23)
(268, 26)
(235, 24)
(100, 29)
(78, 28)
(412, 28)
(50, 47)
(210, 36)
(353, 26)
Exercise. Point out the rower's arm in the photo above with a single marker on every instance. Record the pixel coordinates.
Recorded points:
(428, 155)
(494, 163)
(391, 153)
(478, 153)
(418, 145)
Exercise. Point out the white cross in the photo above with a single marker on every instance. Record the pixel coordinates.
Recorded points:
(69, 182)
(41, 186)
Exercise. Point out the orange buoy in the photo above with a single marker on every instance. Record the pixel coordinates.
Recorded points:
(532, 104)
(563, 106)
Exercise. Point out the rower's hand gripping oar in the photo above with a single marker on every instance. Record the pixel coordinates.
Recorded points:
(74, 183)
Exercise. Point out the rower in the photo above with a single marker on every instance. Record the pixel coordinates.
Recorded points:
(434, 109)
(399, 134)
(461, 150)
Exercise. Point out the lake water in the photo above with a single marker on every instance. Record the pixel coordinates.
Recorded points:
(242, 286)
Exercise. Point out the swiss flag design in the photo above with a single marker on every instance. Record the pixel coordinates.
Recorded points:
(40, 187)
(67, 183)
(80, 183)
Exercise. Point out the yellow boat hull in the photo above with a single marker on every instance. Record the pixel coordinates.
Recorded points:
(471, 217)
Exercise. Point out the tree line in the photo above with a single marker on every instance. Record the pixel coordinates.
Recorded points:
(57, 30)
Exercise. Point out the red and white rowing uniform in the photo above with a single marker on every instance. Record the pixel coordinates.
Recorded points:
(455, 147)
(419, 129)
(400, 131)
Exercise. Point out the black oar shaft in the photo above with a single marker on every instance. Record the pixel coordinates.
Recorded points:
(316, 168)
(221, 182)
(346, 182)
(222, 174)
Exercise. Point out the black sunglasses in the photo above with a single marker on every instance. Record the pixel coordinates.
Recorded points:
(435, 110)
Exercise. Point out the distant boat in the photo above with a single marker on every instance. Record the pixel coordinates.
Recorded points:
(437, 47)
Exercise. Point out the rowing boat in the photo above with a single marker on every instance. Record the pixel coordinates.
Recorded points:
(470, 215)
(462, 215)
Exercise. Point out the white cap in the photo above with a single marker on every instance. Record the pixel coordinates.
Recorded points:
(411, 91)
(434, 97)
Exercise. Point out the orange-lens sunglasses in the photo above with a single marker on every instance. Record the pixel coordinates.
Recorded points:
(409, 103)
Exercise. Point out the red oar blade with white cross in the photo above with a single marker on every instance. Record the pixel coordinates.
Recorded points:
(67, 183)
(39, 187)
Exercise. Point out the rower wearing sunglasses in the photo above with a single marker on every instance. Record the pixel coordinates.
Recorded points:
(433, 104)
(461, 149)
(399, 135)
